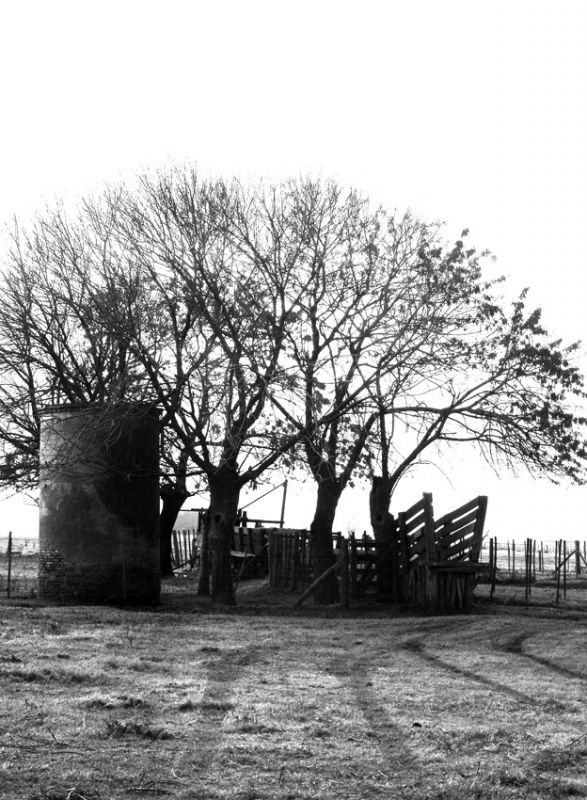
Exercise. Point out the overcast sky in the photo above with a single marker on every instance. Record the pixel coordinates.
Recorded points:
(468, 112)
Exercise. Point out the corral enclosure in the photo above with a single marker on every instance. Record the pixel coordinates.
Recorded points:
(510, 576)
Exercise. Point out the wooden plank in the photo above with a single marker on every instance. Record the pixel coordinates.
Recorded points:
(313, 586)
(452, 535)
(465, 532)
(458, 553)
(416, 548)
(415, 536)
(429, 526)
(459, 512)
(175, 549)
(295, 561)
(416, 522)
(272, 558)
(413, 510)
(353, 566)
(457, 566)
(344, 584)
(452, 524)
(480, 525)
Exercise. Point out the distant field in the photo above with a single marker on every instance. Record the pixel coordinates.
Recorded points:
(262, 703)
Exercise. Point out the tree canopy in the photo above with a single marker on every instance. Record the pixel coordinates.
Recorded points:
(276, 325)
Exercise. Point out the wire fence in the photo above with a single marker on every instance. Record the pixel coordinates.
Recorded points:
(513, 559)
(19, 566)
(560, 563)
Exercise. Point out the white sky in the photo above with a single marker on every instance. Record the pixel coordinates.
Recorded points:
(470, 112)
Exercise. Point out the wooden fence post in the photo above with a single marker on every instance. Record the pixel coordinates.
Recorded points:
(344, 583)
(558, 565)
(578, 559)
(353, 566)
(493, 568)
(526, 587)
(9, 554)
(317, 583)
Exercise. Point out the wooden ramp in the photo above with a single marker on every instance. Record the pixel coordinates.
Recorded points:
(439, 559)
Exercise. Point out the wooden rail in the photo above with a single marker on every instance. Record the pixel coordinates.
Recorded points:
(435, 562)
(439, 559)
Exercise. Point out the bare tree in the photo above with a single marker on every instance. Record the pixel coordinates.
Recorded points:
(507, 388)
(229, 271)
(493, 379)
(52, 347)
(269, 322)
(66, 300)
(392, 319)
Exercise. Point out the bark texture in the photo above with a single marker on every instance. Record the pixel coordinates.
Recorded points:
(222, 517)
(173, 498)
(327, 499)
(385, 534)
(204, 573)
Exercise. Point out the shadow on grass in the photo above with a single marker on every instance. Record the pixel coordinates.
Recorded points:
(417, 648)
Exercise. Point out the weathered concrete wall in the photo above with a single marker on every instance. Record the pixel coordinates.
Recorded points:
(99, 505)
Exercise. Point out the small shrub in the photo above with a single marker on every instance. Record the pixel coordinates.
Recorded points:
(117, 729)
(65, 794)
(188, 705)
(98, 702)
(128, 701)
(121, 701)
(46, 675)
(216, 705)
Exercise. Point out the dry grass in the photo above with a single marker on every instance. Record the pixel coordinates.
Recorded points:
(264, 704)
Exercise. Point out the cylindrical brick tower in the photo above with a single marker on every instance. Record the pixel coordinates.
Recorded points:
(99, 504)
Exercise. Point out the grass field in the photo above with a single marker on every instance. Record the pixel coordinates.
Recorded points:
(264, 703)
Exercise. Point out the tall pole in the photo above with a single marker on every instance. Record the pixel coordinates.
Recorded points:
(9, 562)
(282, 518)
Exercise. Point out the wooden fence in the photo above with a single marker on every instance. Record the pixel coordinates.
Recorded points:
(289, 558)
(184, 548)
(285, 556)
(434, 562)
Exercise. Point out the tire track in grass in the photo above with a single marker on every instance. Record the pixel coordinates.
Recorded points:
(416, 647)
(515, 646)
(399, 760)
(223, 670)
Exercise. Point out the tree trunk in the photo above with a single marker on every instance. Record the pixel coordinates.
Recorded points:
(173, 497)
(327, 499)
(222, 517)
(204, 576)
(385, 533)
